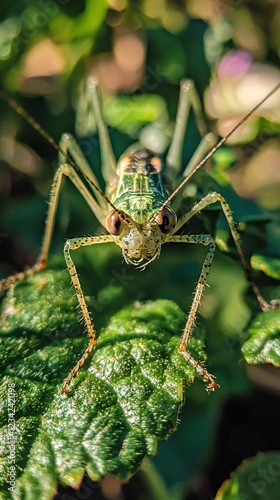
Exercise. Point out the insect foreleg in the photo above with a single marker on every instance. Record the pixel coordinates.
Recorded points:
(203, 239)
(74, 244)
(205, 202)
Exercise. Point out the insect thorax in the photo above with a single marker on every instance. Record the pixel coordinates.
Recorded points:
(141, 191)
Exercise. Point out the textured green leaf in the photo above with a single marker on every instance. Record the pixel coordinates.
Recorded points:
(257, 477)
(124, 400)
(269, 265)
(263, 344)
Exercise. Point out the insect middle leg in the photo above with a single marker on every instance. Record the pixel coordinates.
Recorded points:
(74, 244)
(203, 239)
(41, 262)
(99, 208)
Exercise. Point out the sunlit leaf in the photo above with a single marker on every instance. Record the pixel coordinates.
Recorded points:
(129, 113)
(257, 477)
(122, 402)
(263, 344)
(269, 265)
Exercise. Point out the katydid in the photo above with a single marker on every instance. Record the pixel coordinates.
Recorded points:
(137, 212)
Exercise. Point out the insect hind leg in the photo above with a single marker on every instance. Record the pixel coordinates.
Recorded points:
(188, 98)
(107, 156)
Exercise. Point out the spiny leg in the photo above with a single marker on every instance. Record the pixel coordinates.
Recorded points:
(7, 282)
(41, 262)
(205, 202)
(203, 239)
(74, 244)
(69, 144)
(99, 209)
(107, 156)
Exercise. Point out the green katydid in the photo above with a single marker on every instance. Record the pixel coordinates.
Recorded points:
(137, 212)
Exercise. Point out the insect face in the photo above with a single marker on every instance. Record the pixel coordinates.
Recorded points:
(141, 244)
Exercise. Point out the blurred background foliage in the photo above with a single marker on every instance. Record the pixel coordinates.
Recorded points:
(140, 51)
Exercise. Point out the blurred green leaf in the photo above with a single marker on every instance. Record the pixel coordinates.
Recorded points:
(170, 64)
(263, 344)
(91, 18)
(129, 113)
(269, 265)
(257, 477)
(221, 161)
(127, 399)
(85, 25)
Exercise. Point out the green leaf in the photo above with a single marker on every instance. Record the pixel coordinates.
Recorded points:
(263, 344)
(124, 400)
(129, 113)
(67, 28)
(222, 160)
(269, 265)
(257, 477)
(88, 23)
(171, 64)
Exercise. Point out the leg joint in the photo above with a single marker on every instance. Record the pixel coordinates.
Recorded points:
(72, 244)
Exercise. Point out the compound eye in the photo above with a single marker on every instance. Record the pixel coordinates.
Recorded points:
(115, 222)
(166, 220)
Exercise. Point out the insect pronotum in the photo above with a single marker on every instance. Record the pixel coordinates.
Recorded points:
(137, 214)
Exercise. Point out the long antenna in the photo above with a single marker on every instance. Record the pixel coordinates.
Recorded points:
(21, 111)
(213, 150)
